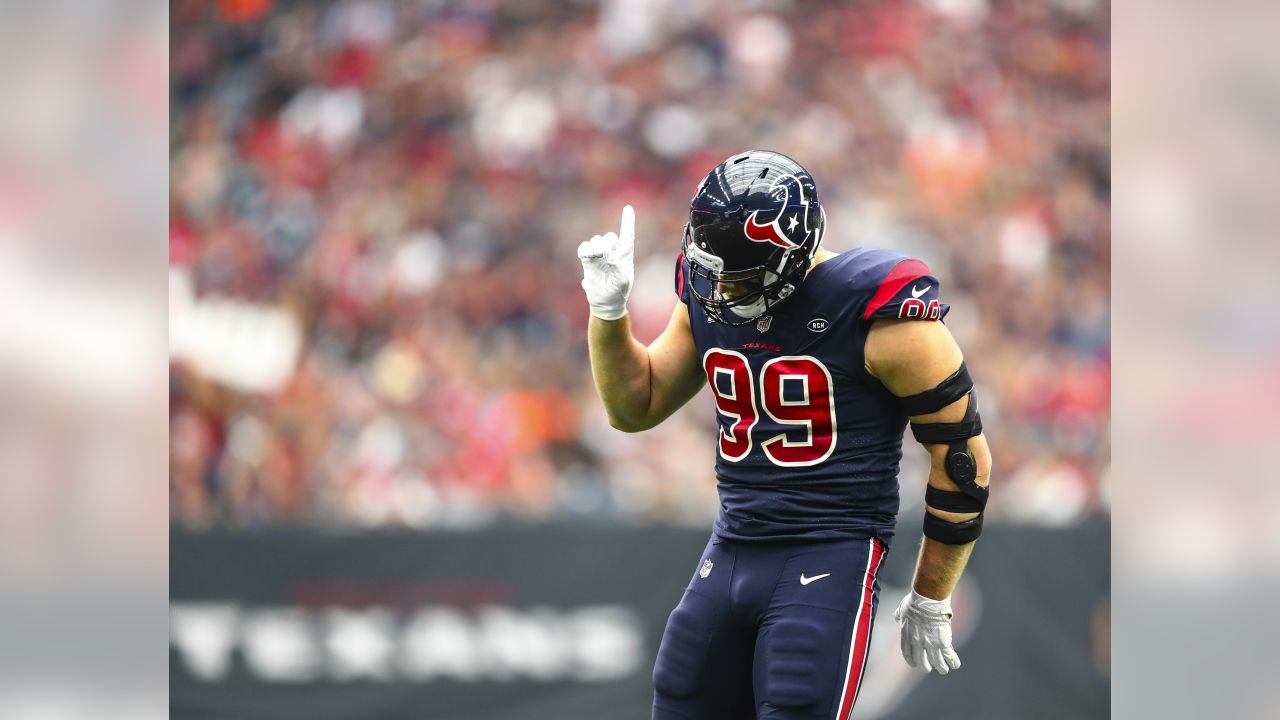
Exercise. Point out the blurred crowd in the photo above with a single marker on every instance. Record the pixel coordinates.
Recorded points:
(376, 315)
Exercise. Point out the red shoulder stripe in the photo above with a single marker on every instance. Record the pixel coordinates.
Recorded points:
(904, 272)
(680, 276)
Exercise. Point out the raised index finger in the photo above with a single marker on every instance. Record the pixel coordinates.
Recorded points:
(628, 230)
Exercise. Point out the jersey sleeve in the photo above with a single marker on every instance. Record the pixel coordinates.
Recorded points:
(682, 289)
(909, 291)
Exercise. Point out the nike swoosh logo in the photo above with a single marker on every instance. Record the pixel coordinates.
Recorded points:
(917, 292)
(806, 580)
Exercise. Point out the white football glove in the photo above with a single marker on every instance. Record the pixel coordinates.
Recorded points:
(926, 633)
(608, 268)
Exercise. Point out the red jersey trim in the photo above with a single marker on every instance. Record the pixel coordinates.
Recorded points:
(904, 272)
(680, 276)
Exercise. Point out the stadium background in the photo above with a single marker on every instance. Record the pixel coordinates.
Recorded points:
(377, 333)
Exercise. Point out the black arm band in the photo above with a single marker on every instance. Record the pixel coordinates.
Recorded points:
(952, 533)
(943, 394)
(945, 433)
(952, 432)
(952, 501)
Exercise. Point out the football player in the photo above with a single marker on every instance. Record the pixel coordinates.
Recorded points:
(817, 362)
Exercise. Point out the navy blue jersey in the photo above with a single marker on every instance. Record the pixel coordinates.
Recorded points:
(809, 441)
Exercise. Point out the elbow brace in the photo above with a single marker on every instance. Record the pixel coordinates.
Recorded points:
(960, 466)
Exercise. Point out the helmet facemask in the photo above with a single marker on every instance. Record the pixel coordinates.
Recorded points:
(734, 297)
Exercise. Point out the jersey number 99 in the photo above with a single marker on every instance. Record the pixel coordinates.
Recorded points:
(795, 390)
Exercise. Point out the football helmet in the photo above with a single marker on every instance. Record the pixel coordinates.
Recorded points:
(754, 226)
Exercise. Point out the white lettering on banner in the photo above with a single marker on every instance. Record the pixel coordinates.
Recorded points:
(608, 642)
(437, 642)
(360, 644)
(286, 644)
(205, 635)
(521, 643)
(280, 645)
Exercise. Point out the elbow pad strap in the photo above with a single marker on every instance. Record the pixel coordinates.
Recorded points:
(951, 533)
(959, 464)
(941, 395)
(970, 426)
(952, 501)
(948, 432)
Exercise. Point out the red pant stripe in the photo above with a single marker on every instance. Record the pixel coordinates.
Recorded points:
(860, 642)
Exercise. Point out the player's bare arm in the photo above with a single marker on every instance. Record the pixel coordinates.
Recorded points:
(914, 359)
(642, 385)
(639, 385)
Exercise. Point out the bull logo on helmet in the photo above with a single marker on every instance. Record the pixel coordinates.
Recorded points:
(772, 231)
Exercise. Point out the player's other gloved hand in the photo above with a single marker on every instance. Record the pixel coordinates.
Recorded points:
(608, 268)
(926, 633)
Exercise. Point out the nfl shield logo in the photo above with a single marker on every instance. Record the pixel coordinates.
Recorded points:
(706, 569)
(763, 323)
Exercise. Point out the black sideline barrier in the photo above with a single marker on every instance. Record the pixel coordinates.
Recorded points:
(561, 622)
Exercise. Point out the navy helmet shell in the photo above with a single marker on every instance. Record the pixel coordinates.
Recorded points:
(755, 222)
